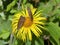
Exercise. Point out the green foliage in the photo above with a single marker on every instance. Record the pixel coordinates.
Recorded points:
(24, 1)
(51, 10)
(54, 32)
(2, 42)
(40, 41)
(4, 34)
(11, 5)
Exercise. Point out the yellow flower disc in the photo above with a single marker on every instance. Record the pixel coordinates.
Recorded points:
(27, 22)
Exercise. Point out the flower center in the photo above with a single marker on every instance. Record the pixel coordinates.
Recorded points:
(27, 22)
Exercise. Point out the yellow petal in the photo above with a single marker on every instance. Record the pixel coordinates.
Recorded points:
(41, 27)
(14, 22)
(38, 29)
(27, 15)
(37, 22)
(24, 36)
(38, 12)
(33, 10)
(40, 18)
(18, 15)
(34, 31)
(23, 13)
(38, 15)
(29, 34)
(14, 29)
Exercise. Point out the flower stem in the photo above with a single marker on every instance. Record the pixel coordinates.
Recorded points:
(11, 39)
(19, 3)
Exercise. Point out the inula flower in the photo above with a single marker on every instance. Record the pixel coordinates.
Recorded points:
(27, 22)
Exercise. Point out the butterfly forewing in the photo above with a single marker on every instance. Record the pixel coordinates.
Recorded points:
(20, 22)
(30, 13)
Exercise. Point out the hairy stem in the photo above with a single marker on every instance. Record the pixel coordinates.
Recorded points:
(19, 3)
(11, 40)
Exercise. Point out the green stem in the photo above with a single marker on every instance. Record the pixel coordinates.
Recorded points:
(19, 3)
(11, 40)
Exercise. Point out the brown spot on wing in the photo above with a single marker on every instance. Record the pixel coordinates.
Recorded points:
(30, 13)
(20, 22)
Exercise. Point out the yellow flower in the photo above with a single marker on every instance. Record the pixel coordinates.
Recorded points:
(27, 22)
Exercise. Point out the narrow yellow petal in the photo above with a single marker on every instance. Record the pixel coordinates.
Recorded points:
(23, 7)
(27, 15)
(14, 25)
(41, 27)
(40, 18)
(17, 15)
(31, 6)
(33, 10)
(38, 29)
(34, 31)
(29, 34)
(23, 14)
(38, 15)
(26, 30)
(38, 12)
(19, 32)
(14, 21)
(37, 22)
(24, 36)
(14, 29)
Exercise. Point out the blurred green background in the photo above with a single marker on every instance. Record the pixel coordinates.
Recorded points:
(51, 10)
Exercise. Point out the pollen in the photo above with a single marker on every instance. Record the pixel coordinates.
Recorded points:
(28, 22)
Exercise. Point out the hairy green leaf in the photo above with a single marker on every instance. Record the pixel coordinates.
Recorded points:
(39, 41)
(54, 31)
(4, 34)
(11, 5)
(24, 1)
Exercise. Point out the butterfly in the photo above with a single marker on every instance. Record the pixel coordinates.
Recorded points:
(22, 19)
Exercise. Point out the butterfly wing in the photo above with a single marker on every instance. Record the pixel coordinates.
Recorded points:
(20, 22)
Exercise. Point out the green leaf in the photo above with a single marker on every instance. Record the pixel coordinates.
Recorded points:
(54, 32)
(11, 5)
(0, 2)
(5, 29)
(56, 11)
(53, 2)
(13, 11)
(5, 25)
(4, 34)
(1, 6)
(52, 42)
(57, 1)
(24, 1)
(28, 43)
(1, 42)
(2, 15)
(39, 41)
(45, 7)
